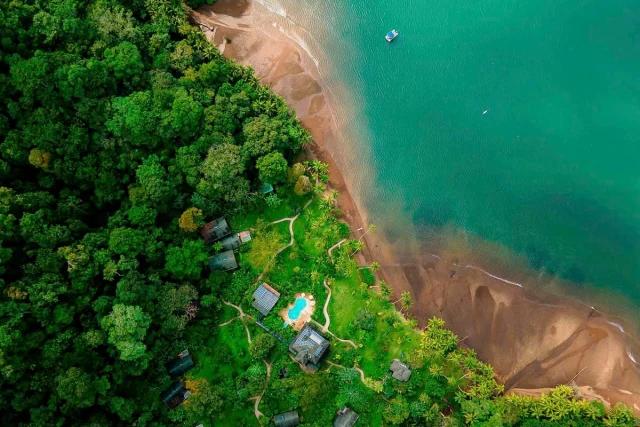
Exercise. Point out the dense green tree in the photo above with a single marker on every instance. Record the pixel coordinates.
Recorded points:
(272, 168)
(127, 241)
(125, 62)
(186, 261)
(78, 388)
(397, 410)
(186, 116)
(126, 327)
(261, 346)
(223, 181)
(133, 119)
(263, 135)
(154, 182)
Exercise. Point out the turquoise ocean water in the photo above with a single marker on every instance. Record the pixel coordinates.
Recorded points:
(551, 170)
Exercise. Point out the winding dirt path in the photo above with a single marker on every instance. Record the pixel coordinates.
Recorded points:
(241, 316)
(357, 369)
(351, 343)
(257, 399)
(325, 309)
(337, 245)
(228, 321)
(292, 237)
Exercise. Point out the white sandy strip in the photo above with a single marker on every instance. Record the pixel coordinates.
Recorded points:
(502, 279)
(618, 326)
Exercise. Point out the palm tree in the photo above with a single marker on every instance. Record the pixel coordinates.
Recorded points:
(405, 301)
(314, 276)
(370, 228)
(357, 246)
(385, 290)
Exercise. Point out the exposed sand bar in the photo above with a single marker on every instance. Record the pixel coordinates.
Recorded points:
(534, 340)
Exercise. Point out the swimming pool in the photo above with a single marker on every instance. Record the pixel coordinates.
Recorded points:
(299, 305)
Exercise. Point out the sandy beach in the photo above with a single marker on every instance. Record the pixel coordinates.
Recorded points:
(533, 339)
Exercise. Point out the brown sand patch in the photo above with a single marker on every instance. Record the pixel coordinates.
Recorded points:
(235, 8)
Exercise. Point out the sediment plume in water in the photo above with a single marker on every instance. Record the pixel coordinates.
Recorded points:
(533, 339)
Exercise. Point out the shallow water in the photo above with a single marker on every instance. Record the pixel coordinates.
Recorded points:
(514, 122)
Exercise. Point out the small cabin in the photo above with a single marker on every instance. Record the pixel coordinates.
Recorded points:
(181, 364)
(231, 243)
(308, 347)
(245, 236)
(224, 261)
(215, 230)
(399, 370)
(175, 394)
(287, 419)
(265, 298)
(266, 188)
(346, 417)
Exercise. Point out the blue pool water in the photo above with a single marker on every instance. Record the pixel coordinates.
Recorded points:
(298, 306)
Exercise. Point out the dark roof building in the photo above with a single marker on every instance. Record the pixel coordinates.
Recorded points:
(231, 243)
(309, 347)
(287, 419)
(175, 394)
(345, 418)
(399, 370)
(181, 364)
(224, 261)
(215, 230)
(264, 298)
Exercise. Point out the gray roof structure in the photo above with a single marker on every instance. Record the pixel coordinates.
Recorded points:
(224, 261)
(215, 230)
(181, 364)
(287, 419)
(175, 394)
(345, 417)
(308, 347)
(399, 370)
(231, 242)
(264, 298)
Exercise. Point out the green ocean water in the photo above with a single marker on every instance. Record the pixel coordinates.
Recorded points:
(551, 170)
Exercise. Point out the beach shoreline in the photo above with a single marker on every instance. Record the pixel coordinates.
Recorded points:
(534, 340)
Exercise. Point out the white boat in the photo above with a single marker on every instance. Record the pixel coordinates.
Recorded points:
(391, 35)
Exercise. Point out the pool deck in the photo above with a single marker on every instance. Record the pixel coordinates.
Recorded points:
(305, 313)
